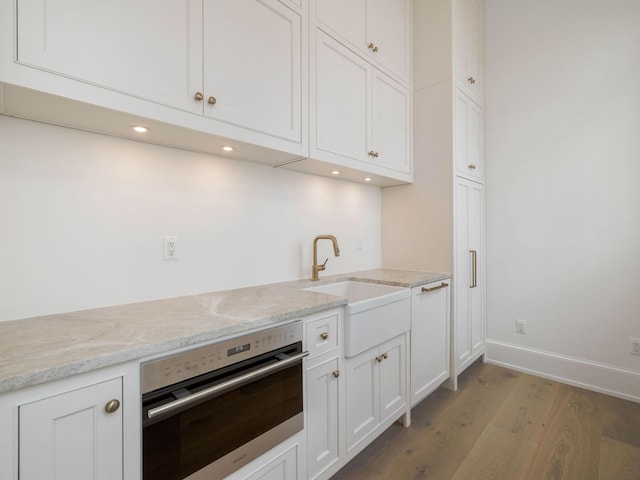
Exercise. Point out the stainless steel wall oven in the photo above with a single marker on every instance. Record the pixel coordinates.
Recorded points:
(209, 411)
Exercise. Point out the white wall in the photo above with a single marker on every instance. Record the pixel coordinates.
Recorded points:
(83, 216)
(563, 167)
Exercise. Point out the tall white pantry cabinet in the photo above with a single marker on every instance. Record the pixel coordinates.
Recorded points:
(444, 208)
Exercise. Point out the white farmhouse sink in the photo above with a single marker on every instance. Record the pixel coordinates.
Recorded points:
(374, 312)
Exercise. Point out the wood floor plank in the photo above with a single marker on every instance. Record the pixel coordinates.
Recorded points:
(570, 447)
(621, 419)
(619, 461)
(528, 406)
(497, 455)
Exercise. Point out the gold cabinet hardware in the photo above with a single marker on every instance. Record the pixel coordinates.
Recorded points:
(474, 268)
(212, 101)
(198, 96)
(112, 405)
(385, 355)
(431, 289)
(472, 166)
(336, 373)
(373, 153)
(471, 80)
(324, 335)
(379, 358)
(372, 47)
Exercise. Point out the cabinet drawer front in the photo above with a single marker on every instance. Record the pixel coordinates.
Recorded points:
(322, 335)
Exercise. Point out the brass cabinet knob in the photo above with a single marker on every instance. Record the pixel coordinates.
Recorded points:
(212, 101)
(373, 153)
(385, 355)
(372, 47)
(198, 96)
(379, 358)
(112, 405)
(471, 80)
(336, 373)
(324, 335)
(472, 166)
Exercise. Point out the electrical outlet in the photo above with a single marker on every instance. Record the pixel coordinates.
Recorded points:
(521, 326)
(634, 346)
(170, 250)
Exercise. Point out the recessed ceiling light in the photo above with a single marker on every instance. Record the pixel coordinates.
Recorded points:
(140, 128)
(368, 179)
(336, 172)
(227, 148)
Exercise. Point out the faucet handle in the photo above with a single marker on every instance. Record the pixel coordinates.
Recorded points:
(324, 264)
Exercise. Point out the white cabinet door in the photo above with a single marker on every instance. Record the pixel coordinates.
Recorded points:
(469, 138)
(322, 416)
(469, 47)
(362, 395)
(469, 323)
(341, 99)
(375, 388)
(359, 113)
(390, 136)
(253, 66)
(131, 46)
(70, 436)
(388, 30)
(379, 30)
(429, 338)
(393, 390)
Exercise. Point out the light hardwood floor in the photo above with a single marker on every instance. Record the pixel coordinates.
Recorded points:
(506, 425)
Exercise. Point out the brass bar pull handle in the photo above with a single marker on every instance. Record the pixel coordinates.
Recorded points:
(431, 289)
(474, 268)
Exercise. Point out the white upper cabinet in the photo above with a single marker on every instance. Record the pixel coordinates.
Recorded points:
(241, 63)
(469, 138)
(469, 47)
(131, 46)
(360, 117)
(252, 66)
(390, 124)
(378, 29)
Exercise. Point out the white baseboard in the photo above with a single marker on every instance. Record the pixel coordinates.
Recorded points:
(607, 379)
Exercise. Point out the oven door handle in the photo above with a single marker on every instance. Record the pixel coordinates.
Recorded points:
(221, 387)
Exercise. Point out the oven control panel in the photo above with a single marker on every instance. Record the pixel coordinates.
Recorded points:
(182, 366)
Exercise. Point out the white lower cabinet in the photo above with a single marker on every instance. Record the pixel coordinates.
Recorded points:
(323, 400)
(430, 333)
(282, 467)
(324, 393)
(75, 435)
(375, 390)
(469, 267)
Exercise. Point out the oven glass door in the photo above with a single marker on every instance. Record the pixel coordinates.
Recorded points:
(180, 444)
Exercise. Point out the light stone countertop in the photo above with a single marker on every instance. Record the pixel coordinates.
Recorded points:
(40, 349)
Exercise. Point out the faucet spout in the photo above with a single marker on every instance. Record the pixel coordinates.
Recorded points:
(320, 267)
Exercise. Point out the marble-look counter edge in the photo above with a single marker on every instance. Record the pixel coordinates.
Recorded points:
(62, 360)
